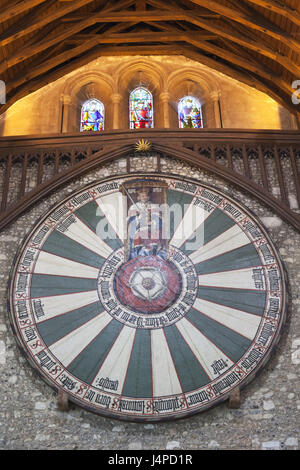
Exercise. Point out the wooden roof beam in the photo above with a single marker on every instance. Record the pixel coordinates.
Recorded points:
(87, 42)
(18, 8)
(163, 26)
(263, 72)
(25, 28)
(153, 36)
(140, 5)
(256, 45)
(172, 5)
(197, 39)
(116, 28)
(279, 8)
(246, 64)
(129, 16)
(254, 22)
(179, 14)
(40, 69)
(125, 16)
(49, 41)
(104, 17)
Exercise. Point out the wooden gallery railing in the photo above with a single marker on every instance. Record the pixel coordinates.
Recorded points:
(265, 164)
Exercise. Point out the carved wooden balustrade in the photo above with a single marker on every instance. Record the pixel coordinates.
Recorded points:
(266, 164)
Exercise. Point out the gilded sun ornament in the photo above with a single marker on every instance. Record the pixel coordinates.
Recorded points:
(142, 145)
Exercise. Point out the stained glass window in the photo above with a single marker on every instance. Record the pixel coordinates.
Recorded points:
(140, 109)
(92, 116)
(189, 113)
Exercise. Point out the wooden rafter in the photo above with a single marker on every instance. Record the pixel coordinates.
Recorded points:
(254, 22)
(17, 8)
(49, 41)
(280, 8)
(141, 37)
(266, 76)
(140, 5)
(256, 45)
(197, 39)
(27, 28)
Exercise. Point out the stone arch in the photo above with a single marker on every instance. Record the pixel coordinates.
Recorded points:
(138, 72)
(203, 86)
(82, 87)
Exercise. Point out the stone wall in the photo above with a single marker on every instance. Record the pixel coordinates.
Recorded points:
(226, 102)
(268, 417)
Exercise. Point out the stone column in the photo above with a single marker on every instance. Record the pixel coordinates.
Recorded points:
(66, 101)
(116, 99)
(294, 123)
(165, 97)
(215, 97)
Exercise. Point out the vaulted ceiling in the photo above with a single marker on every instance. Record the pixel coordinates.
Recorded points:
(253, 41)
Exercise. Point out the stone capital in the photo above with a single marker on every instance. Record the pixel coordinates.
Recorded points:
(116, 98)
(66, 99)
(164, 96)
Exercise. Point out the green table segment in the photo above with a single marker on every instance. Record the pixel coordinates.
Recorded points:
(147, 297)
